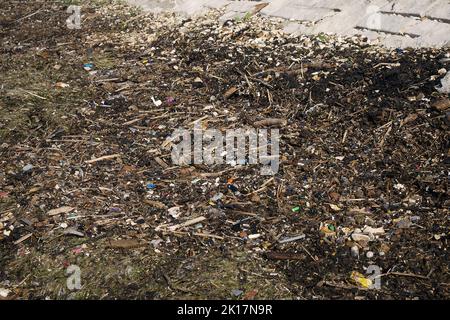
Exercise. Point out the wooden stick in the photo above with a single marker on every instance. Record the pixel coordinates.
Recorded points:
(112, 156)
(187, 223)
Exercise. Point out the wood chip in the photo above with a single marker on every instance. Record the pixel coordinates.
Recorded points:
(155, 204)
(22, 239)
(60, 210)
(125, 244)
(230, 92)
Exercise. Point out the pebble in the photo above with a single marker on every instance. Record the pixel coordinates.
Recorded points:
(354, 251)
(369, 254)
(27, 168)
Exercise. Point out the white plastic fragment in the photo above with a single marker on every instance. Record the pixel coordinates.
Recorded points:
(4, 292)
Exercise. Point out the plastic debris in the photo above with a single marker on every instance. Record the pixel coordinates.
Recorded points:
(175, 212)
(157, 103)
(232, 188)
(88, 66)
(4, 292)
(360, 280)
(151, 186)
(60, 210)
(328, 230)
(363, 142)
(445, 85)
(217, 197)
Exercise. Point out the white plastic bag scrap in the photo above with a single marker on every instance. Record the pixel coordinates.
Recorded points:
(4, 292)
(445, 84)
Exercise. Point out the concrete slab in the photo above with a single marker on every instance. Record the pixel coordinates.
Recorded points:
(395, 23)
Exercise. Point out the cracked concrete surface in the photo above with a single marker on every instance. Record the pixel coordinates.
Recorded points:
(393, 23)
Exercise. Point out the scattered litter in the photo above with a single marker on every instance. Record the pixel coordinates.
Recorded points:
(445, 85)
(363, 146)
(217, 197)
(360, 280)
(88, 66)
(157, 103)
(125, 244)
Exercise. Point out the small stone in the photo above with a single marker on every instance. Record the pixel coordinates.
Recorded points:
(237, 292)
(4, 292)
(369, 254)
(354, 251)
(73, 232)
(374, 231)
(27, 168)
(442, 104)
(140, 220)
